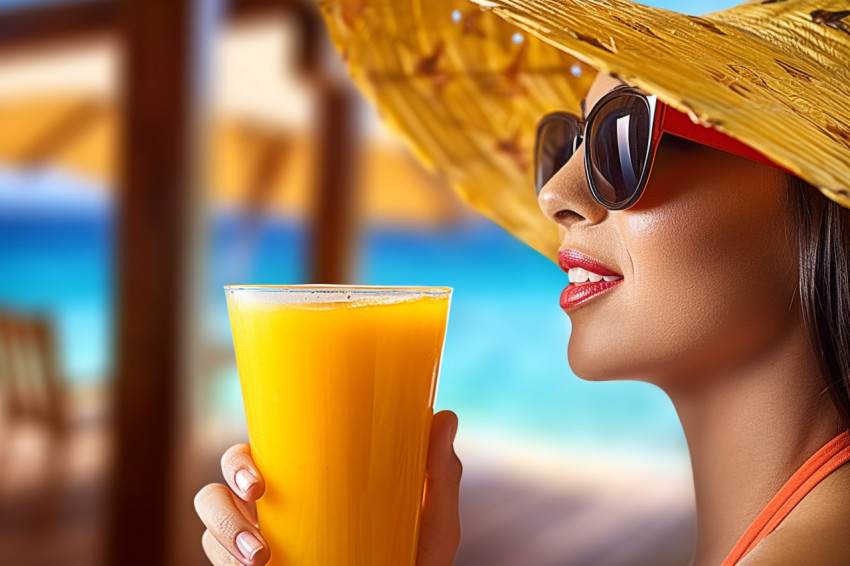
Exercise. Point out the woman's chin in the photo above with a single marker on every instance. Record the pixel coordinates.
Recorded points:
(592, 368)
(595, 364)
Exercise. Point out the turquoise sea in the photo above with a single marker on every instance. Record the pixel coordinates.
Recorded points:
(504, 369)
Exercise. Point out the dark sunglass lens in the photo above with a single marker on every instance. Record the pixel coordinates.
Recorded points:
(556, 143)
(620, 131)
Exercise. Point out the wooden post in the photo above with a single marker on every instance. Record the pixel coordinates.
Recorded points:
(335, 220)
(165, 47)
(334, 224)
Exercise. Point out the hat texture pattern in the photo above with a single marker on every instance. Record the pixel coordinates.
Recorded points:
(465, 89)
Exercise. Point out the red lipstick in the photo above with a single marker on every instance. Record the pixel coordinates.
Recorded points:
(573, 258)
(576, 294)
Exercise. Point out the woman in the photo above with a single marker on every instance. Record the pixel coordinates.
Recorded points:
(727, 288)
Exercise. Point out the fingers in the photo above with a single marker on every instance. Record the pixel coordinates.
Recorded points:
(219, 510)
(443, 463)
(217, 553)
(241, 474)
(440, 531)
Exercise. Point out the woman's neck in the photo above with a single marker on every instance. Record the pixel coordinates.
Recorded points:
(749, 428)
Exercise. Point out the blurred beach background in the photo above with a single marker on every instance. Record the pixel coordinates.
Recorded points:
(557, 471)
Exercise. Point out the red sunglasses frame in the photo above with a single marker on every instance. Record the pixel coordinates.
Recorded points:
(665, 119)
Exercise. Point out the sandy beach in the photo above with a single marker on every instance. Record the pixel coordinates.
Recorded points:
(542, 506)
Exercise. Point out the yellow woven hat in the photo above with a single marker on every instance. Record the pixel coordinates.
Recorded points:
(466, 84)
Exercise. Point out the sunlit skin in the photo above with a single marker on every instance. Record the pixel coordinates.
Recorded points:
(707, 312)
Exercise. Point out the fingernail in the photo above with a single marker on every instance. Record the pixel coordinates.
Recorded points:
(454, 431)
(248, 545)
(245, 480)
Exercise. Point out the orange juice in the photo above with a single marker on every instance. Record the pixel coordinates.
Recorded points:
(339, 386)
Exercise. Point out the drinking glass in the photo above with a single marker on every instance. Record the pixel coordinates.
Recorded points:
(339, 385)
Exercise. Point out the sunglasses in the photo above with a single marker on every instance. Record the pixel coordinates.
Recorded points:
(621, 136)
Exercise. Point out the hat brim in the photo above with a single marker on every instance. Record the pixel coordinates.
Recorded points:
(466, 91)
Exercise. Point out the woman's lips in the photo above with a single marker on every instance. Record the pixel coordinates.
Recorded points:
(577, 294)
(573, 258)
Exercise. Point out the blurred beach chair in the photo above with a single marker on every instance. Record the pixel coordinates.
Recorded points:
(34, 405)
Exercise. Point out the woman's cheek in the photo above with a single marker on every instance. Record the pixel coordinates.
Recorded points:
(708, 280)
(676, 296)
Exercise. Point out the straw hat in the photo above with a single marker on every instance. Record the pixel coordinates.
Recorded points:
(466, 88)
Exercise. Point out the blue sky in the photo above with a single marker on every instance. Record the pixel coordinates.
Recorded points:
(695, 7)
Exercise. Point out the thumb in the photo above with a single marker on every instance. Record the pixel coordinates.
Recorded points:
(439, 532)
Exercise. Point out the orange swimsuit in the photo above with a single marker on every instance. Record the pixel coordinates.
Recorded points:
(825, 461)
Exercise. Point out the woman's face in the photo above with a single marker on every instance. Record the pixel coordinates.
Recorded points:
(709, 274)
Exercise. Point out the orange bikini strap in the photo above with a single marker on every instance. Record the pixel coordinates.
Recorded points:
(821, 464)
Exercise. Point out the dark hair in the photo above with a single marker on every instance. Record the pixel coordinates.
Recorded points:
(823, 239)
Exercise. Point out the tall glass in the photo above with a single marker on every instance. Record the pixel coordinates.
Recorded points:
(339, 386)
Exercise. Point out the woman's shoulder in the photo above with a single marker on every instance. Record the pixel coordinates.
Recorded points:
(817, 531)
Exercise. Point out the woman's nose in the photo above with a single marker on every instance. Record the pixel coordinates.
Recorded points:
(566, 199)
